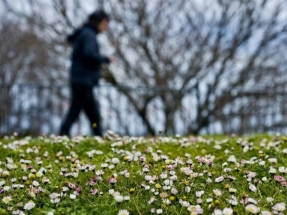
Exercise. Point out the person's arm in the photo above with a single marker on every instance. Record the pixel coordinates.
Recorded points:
(89, 48)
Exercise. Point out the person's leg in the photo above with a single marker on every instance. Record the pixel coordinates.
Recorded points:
(91, 108)
(78, 99)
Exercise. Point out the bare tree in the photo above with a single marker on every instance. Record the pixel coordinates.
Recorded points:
(213, 47)
(25, 57)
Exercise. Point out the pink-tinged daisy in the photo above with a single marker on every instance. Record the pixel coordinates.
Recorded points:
(284, 183)
(112, 180)
(72, 186)
(94, 191)
(143, 159)
(205, 161)
(79, 189)
(279, 178)
(170, 167)
(35, 190)
(54, 195)
(92, 183)
(279, 207)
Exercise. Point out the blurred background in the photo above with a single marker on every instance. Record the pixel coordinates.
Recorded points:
(184, 66)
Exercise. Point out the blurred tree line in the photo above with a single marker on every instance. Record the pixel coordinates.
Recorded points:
(208, 49)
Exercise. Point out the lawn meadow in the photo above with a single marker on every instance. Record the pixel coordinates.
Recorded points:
(133, 175)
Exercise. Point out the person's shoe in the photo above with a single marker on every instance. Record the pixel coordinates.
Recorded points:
(110, 135)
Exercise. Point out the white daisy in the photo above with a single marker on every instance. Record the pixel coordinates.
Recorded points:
(252, 209)
(123, 212)
(29, 206)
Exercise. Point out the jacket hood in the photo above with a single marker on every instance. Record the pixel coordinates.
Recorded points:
(72, 37)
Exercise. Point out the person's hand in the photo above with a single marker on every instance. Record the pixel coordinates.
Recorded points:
(112, 59)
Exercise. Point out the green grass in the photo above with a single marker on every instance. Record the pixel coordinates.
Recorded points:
(157, 155)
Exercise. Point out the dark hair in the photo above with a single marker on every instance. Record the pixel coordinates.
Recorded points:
(94, 20)
(97, 17)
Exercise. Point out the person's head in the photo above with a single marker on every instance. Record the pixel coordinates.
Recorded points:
(100, 20)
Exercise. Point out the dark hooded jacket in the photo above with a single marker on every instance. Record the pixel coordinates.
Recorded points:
(86, 57)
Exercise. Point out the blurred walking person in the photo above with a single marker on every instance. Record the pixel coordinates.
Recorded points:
(85, 72)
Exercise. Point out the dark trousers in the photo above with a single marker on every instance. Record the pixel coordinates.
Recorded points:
(82, 98)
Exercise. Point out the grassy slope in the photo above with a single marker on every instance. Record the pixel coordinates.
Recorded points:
(86, 203)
